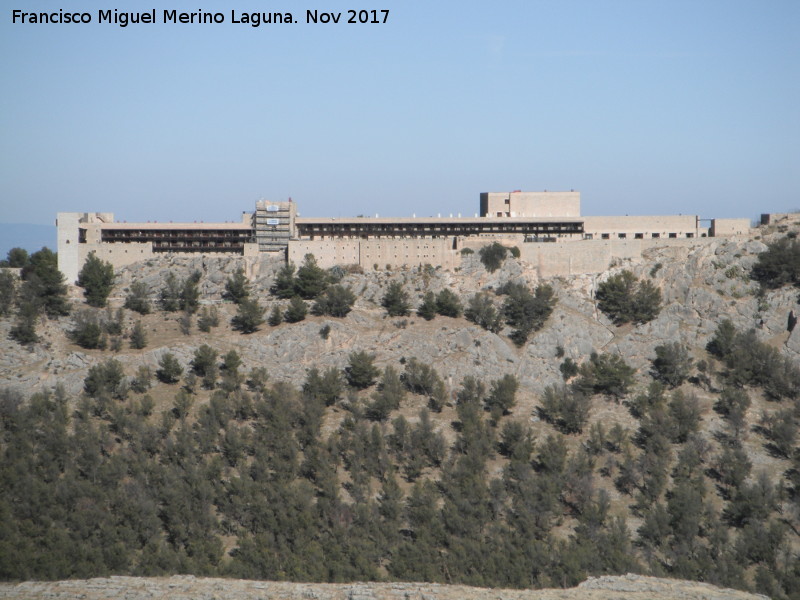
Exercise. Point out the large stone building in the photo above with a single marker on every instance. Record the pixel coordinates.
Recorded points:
(546, 226)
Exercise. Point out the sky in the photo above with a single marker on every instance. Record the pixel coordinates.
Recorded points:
(645, 107)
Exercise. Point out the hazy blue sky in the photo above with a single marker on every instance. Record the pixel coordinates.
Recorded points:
(645, 107)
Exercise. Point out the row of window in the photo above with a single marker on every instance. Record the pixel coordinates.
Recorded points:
(636, 236)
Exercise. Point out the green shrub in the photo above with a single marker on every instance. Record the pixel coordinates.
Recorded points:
(605, 374)
(482, 312)
(625, 299)
(296, 311)
(524, 311)
(492, 256)
(138, 337)
(361, 371)
(311, 280)
(237, 287)
(448, 304)
(565, 408)
(779, 264)
(427, 310)
(502, 396)
(96, 277)
(8, 286)
(103, 378)
(138, 298)
(249, 316)
(88, 332)
(395, 301)
(169, 369)
(336, 301)
(672, 364)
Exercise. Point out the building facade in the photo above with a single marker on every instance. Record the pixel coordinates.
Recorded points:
(541, 224)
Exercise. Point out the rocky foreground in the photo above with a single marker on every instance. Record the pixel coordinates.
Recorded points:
(628, 587)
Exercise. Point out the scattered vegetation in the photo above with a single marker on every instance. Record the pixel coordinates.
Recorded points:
(526, 312)
(96, 277)
(779, 264)
(395, 300)
(493, 255)
(625, 299)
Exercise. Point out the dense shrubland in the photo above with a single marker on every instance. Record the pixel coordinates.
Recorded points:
(381, 470)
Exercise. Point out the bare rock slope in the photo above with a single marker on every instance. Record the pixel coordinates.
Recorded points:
(628, 587)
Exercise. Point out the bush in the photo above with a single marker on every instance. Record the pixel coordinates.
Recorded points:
(97, 279)
(284, 285)
(44, 284)
(568, 368)
(672, 364)
(605, 374)
(8, 284)
(395, 301)
(24, 330)
(169, 369)
(138, 298)
(524, 311)
(427, 310)
(88, 332)
(311, 280)
(275, 317)
(327, 387)
(17, 258)
(138, 337)
(249, 316)
(336, 301)
(778, 265)
(448, 304)
(502, 396)
(296, 311)
(361, 372)
(204, 361)
(103, 379)
(421, 378)
(237, 287)
(492, 256)
(482, 312)
(625, 299)
(180, 295)
(389, 396)
(752, 362)
(207, 319)
(565, 408)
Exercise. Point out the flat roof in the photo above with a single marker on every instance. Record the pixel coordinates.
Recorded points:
(168, 226)
(433, 220)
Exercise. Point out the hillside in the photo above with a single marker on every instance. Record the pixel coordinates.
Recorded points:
(276, 468)
(630, 587)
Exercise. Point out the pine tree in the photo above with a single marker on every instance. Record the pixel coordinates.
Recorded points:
(296, 311)
(275, 316)
(249, 316)
(170, 369)
(361, 371)
(427, 310)
(44, 284)
(284, 285)
(138, 298)
(138, 338)
(97, 279)
(237, 287)
(311, 280)
(395, 301)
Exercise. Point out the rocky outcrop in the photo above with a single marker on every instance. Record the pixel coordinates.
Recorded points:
(701, 285)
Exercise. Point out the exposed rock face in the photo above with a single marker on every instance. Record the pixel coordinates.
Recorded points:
(701, 285)
(629, 587)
